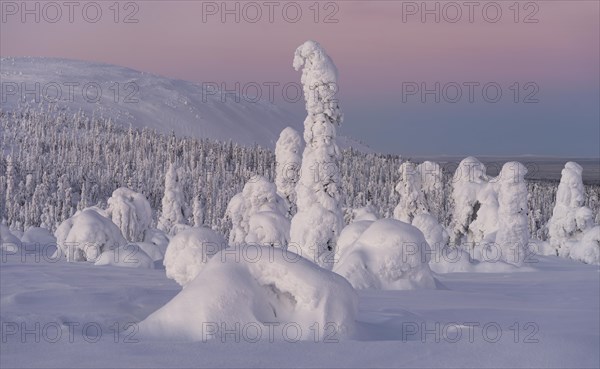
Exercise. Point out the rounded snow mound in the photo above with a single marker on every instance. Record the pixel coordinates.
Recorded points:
(259, 293)
(189, 251)
(39, 240)
(37, 235)
(388, 255)
(129, 256)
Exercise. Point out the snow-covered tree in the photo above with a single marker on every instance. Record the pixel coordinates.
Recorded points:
(288, 156)
(174, 209)
(570, 218)
(432, 185)
(258, 215)
(86, 235)
(319, 220)
(131, 212)
(198, 211)
(513, 235)
(412, 201)
(468, 181)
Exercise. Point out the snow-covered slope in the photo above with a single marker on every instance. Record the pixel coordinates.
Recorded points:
(145, 100)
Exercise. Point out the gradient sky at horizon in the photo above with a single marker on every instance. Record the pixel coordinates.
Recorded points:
(376, 51)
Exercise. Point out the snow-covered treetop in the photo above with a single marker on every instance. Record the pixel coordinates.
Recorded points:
(319, 82)
(289, 142)
(471, 170)
(570, 190)
(318, 66)
(512, 172)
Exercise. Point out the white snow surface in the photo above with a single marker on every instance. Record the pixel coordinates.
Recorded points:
(152, 101)
(548, 317)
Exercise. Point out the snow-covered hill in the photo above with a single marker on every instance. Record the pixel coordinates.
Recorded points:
(146, 100)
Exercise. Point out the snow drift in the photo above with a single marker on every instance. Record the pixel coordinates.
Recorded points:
(262, 293)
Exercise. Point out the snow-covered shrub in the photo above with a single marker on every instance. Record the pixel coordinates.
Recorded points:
(570, 218)
(435, 234)
(258, 215)
(8, 241)
(587, 249)
(174, 209)
(235, 212)
(128, 256)
(267, 294)
(365, 213)
(155, 244)
(86, 235)
(189, 251)
(288, 156)
(268, 228)
(319, 220)
(512, 236)
(131, 212)
(388, 255)
(412, 201)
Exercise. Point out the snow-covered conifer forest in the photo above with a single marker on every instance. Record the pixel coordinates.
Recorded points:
(124, 245)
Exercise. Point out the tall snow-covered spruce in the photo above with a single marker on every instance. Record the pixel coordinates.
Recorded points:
(174, 210)
(512, 236)
(319, 220)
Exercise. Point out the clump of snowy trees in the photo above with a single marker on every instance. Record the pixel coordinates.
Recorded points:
(55, 163)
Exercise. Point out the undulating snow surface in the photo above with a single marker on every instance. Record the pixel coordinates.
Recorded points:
(544, 317)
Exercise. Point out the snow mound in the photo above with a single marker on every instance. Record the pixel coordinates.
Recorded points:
(273, 295)
(388, 255)
(39, 240)
(155, 252)
(86, 235)
(189, 251)
(129, 256)
(37, 235)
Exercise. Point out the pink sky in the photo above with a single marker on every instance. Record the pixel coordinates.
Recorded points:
(372, 47)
